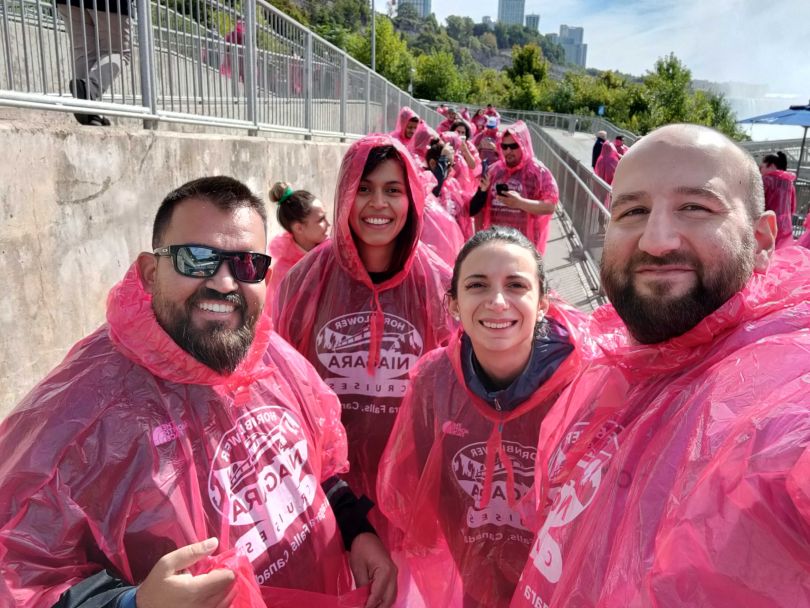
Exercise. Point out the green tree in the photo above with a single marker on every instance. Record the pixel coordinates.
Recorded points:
(489, 42)
(407, 19)
(433, 38)
(524, 93)
(438, 78)
(528, 60)
(489, 86)
(668, 89)
(393, 58)
(460, 28)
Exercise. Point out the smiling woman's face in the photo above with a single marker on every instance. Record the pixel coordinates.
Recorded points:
(380, 211)
(499, 302)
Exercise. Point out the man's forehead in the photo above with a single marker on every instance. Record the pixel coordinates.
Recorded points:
(679, 163)
(199, 215)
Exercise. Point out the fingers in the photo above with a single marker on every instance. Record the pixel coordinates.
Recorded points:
(383, 588)
(376, 594)
(212, 584)
(228, 599)
(390, 594)
(184, 557)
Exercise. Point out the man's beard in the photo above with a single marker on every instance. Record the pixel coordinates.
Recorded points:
(215, 345)
(659, 317)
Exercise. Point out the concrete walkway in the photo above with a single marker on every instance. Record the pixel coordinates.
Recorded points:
(565, 269)
(566, 273)
(578, 144)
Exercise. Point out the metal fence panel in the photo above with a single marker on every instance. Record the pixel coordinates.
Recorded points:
(190, 62)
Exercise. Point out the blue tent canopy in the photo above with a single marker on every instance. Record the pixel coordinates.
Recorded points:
(798, 116)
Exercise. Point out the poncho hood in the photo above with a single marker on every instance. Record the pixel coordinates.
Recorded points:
(351, 171)
(404, 116)
(523, 137)
(779, 174)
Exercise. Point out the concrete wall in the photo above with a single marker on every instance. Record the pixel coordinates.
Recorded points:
(76, 207)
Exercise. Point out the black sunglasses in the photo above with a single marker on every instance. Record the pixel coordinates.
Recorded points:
(514, 146)
(202, 262)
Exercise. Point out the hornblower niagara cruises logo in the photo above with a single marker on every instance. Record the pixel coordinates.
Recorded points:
(343, 344)
(260, 478)
(469, 470)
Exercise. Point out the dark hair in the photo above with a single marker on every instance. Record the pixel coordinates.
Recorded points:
(778, 160)
(226, 193)
(461, 123)
(406, 239)
(620, 137)
(435, 151)
(295, 208)
(503, 234)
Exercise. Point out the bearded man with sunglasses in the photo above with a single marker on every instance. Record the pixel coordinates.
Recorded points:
(518, 190)
(184, 450)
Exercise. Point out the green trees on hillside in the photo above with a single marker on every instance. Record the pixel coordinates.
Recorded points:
(446, 64)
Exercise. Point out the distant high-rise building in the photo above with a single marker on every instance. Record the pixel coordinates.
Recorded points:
(533, 22)
(570, 39)
(511, 12)
(423, 8)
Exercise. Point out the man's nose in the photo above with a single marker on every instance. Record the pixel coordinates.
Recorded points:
(223, 280)
(660, 234)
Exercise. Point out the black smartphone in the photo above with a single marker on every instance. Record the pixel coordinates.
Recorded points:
(501, 188)
(484, 167)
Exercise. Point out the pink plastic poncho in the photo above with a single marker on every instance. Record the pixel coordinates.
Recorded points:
(479, 121)
(531, 179)
(465, 182)
(621, 148)
(780, 197)
(422, 137)
(440, 231)
(285, 253)
(362, 337)
(446, 124)
(678, 474)
(131, 448)
(804, 240)
(467, 177)
(453, 473)
(404, 116)
(607, 162)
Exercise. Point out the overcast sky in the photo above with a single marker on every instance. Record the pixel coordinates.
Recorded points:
(753, 41)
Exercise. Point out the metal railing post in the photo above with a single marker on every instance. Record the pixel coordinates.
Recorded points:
(251, 91)
(344, 93)
(308, 87)
(385, 109)
(368, 101)
(146, 60)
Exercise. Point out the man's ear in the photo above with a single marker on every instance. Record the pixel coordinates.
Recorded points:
(765, 235)
(147, 270)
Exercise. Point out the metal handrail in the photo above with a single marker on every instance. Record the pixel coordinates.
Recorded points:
(184, 69)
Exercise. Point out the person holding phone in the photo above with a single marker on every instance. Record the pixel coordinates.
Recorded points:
(518, 190)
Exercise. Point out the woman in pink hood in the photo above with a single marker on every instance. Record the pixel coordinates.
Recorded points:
(303, 218)
(780, 195)
(367, 306)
